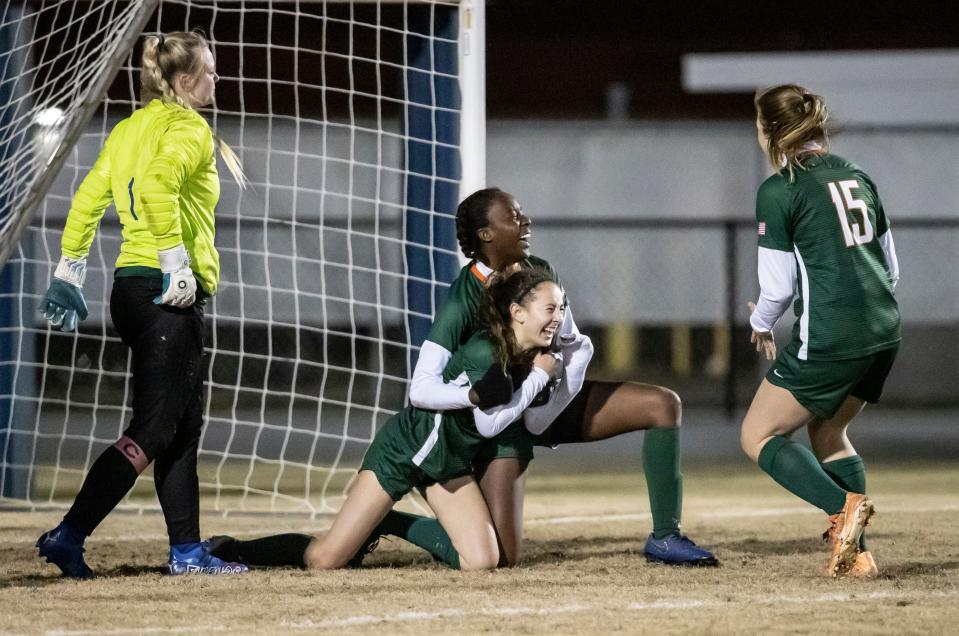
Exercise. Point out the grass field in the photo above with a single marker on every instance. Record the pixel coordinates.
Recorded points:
(582, 570)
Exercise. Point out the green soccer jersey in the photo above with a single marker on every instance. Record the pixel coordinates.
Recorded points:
(458, 317)
(830, 217)
(451, 439)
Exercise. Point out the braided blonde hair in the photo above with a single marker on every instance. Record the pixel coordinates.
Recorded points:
(165, 56)
(791, 117)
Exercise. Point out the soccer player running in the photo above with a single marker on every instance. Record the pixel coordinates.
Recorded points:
(434, 450)
(495, 234)
(158, 168)
(823, 239)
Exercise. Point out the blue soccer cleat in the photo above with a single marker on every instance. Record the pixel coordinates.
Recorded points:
(195, 558)
(678, 549)
(63, 547)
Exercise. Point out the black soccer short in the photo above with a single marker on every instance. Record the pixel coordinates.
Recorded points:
(568, 427)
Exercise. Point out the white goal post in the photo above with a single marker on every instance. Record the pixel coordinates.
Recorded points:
(360, 125)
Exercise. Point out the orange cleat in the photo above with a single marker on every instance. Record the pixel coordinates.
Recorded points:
(864, 567)
(844, 531)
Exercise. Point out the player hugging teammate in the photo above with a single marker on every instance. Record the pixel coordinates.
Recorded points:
(486, 391)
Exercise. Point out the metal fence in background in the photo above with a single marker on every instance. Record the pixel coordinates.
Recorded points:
(665, 300)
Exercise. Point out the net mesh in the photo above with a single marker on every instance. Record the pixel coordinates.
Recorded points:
(309, 341)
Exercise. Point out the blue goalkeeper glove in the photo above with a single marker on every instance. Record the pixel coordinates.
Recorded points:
(63, 304)
(179, 284)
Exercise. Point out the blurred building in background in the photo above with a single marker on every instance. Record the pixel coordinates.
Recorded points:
(627, 134)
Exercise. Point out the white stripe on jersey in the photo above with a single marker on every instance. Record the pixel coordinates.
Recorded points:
(430, 441)
(804, 321)
(889, 251)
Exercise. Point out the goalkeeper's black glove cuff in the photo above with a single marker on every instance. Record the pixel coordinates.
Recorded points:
(495, 388)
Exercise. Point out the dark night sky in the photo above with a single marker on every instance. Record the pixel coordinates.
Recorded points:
(554, 58)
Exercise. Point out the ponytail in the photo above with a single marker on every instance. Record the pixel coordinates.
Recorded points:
(792, 119)
(164, 56)
(232, 162)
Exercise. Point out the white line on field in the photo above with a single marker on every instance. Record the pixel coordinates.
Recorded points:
(457, 612)
(836, 597)
(737, 513)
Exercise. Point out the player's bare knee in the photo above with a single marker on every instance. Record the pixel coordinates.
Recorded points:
(479, 558)
(750, 444)
(480, 564)
(668, 412)
(316, 558)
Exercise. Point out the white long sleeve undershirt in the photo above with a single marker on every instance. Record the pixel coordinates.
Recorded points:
(889, 251)
(427, 389)
(576, 356)
(777, 288)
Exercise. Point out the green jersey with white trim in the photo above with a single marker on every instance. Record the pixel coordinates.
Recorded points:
(458, 317)
(830, 217)
(451, 439)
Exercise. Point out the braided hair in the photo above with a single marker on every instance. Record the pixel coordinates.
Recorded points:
(471, 216)
(165, 56)
(519, 287)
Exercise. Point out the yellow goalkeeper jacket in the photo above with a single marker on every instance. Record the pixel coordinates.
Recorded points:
(158, 167)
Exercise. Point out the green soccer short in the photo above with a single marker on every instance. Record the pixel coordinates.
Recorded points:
(823, 385)
(514, 442)
(396, 455)
(389, 457)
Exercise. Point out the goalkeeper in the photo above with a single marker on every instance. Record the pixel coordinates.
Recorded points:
(158, 168)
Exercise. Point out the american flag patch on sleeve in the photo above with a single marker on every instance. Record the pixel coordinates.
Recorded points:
(762, 228)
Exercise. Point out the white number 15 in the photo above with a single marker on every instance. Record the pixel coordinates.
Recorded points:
(852, 233)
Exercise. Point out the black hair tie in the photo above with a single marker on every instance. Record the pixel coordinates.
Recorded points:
(160, 40)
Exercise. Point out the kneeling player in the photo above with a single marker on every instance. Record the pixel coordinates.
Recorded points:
(434, 450)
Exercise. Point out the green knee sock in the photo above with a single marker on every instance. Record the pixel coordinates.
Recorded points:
(849, 473)
(424, 532)
(796, 469)
(663, 479)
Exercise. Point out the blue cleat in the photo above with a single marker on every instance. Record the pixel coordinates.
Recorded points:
(195, 558)
(63, 547)
(678, 549)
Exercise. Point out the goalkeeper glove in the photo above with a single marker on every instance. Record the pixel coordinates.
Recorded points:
(179, 285)
(495, 388)
(63, 304)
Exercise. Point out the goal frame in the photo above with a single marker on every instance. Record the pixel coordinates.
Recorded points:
(468, 29)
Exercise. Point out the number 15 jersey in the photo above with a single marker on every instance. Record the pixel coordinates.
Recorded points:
(831, 219)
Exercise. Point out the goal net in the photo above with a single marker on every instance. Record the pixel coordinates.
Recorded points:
(359, 125)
